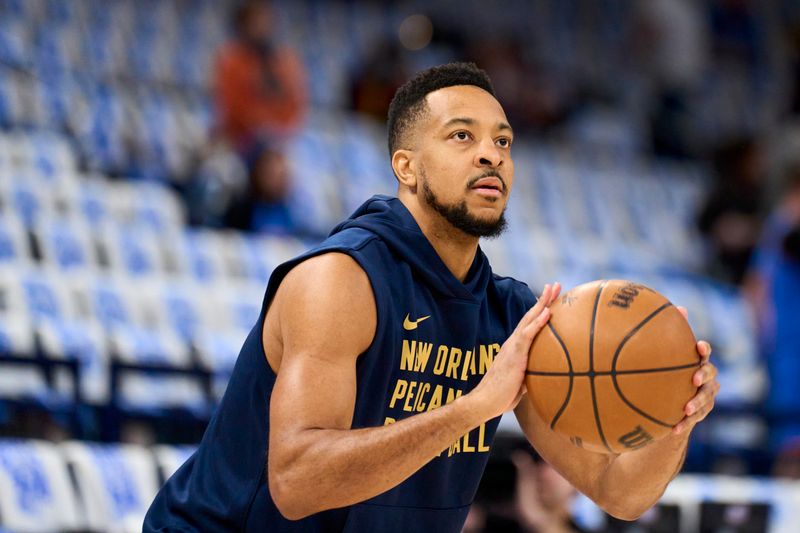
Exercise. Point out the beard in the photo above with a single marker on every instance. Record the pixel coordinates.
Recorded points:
(460, 218)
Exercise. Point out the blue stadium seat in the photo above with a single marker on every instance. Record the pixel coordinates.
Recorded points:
(244, 307)
(10, 104)
(170, 458)
(36, 495)
(218, 351)
(115, 482)
(100, 134)
(109, 304)
(26, 201)
(155, 206)
(60, 14)
(52, 155)
(19, 382)
(132, 250)
(181, 309)
(14, 42)
(65, 244)
(13, 242)
(199, 252)
(16, 335)
(85, 342)
(91, 201)
(44, 296)
(135, 343)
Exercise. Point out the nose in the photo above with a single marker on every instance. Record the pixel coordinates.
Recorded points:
(488, 155)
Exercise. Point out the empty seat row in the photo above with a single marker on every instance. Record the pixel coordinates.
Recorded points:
(69, 245)
(74, 485)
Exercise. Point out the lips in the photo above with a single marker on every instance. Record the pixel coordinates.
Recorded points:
(489, 183)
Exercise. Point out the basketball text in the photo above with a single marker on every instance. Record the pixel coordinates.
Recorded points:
(637, 438)
(625, 295)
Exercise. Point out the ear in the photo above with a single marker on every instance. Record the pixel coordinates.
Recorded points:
(402, 164)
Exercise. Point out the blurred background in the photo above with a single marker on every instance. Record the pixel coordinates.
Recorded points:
(158, 158)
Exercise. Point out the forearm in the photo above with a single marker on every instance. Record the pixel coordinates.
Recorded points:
(328, 468)
(634, 481)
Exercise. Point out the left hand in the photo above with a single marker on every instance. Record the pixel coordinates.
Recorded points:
(705, 378)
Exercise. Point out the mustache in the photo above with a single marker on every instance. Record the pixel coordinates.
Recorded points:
(490, 173)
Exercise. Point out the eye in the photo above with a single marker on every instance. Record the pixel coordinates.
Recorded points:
(461, 135)
(503, 142)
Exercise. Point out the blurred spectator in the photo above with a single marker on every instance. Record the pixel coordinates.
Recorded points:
(264, 206)
(730, 218)
(671, 42)
(543, 496)
(787, 462)
(790, 21)
(535, 97)
(219, 177)
(260, 83)
(773, 285)
(736, 34)
(521, 492)
(373, 87)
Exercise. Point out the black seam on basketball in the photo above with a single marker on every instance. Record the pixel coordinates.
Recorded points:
(591, 327)
(597, 417)
(591, 366)
(570, 374)
(627, 337)
(543, 373)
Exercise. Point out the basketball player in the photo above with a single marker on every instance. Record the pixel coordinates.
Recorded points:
(368, 393)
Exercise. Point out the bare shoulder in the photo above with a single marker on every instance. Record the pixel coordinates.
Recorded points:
(324, 307)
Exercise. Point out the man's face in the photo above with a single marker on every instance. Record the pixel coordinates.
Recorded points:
(465, 170)
(258, 25)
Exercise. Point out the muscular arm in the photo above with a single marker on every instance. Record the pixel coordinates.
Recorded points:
(623, 485)
(628, 484)
(325, 315)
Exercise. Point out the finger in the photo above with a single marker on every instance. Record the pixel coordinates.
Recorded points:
(705, 396)
(682, 310)
(706, 373)
(554, 293)
(702, 412)
(703, 350)
(544, 300)
(534, 311)
(689, 422)
(534, 327)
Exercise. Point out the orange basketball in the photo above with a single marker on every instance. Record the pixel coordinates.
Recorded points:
(612, 370)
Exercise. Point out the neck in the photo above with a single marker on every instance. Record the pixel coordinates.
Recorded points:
(456, 249)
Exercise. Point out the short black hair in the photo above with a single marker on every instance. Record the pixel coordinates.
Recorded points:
(408, 103)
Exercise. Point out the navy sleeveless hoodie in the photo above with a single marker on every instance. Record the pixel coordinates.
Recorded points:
(435, 338)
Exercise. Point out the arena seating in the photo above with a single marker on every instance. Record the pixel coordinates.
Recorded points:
(76, 486)
(107, 487)
(107, 273)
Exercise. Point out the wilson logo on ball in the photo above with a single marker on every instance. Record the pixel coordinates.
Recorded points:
(625, 295)
(638, 438)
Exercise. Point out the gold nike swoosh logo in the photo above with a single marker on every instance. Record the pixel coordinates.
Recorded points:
(409, 324)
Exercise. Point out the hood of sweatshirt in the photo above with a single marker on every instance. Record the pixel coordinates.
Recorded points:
(390, 220)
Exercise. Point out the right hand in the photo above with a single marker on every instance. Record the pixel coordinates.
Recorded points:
(504, 384)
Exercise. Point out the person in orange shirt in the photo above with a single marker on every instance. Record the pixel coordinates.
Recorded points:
(260, 85)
